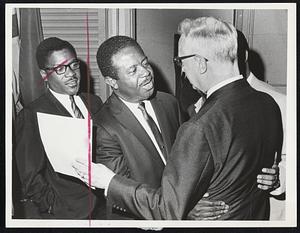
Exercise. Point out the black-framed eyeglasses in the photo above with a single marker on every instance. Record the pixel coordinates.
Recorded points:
(61, 69)
(178, 60)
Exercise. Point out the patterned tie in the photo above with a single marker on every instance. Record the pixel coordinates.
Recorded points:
(75, 108)
(154, 129)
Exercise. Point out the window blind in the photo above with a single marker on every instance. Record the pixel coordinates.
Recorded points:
(71, 25)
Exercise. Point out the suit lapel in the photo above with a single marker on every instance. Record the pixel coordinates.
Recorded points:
(123, 114)
(58, 107)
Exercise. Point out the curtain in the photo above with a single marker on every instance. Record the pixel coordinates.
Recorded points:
(31, 84)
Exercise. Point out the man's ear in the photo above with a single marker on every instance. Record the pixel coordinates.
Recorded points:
(111, 82)
(43, 74)
(201, 64)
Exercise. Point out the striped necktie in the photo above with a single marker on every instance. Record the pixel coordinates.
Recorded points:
(154, 129)
(75, 108)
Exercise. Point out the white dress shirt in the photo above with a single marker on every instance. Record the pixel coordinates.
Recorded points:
(66, 102)
(139, 116)
(201, 101)
(222, 84)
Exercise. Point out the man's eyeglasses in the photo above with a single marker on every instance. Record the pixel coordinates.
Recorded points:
(61, 69)
(178, 60)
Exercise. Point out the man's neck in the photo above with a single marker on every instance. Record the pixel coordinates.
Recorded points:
(222, 72)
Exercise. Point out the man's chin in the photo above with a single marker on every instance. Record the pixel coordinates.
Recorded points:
(149, 93)
(73, 91)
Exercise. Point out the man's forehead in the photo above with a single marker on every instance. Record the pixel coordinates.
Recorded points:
(126, 53)
(63, 54)
(185, 44)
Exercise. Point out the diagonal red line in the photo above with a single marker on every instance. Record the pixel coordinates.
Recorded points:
(51, 72)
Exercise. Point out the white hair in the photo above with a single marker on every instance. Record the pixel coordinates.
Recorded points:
(217, 37)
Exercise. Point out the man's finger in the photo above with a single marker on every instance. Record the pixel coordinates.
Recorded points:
(216, 203)
(265, 182)
(269, 170)
(212, 218)
(211, 211)
(81, 161)
(263, 187)
(266, 177)
(206, 195)
(79, 168)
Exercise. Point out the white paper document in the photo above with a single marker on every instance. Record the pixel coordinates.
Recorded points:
(64, 139)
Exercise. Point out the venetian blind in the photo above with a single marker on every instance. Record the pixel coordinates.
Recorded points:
(71, 25)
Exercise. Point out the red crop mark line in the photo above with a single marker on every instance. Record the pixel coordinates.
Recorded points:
(51, 72)
(89, 117)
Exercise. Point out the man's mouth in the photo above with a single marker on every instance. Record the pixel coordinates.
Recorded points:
(147, 84)
(72, 83)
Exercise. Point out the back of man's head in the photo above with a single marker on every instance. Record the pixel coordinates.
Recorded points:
(48, 46)
(218, 38)
(108, 49)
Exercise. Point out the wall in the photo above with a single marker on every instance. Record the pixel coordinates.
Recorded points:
(155, 30)
(269, 43)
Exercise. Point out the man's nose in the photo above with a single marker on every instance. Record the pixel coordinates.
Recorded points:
(69, 71)
(144, 71)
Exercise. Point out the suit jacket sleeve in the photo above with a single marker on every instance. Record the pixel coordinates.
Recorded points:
(109, 152)
(30, 157)
(185, 179)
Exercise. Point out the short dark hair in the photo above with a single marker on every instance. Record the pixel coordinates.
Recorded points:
(108, 49)
(48, 46)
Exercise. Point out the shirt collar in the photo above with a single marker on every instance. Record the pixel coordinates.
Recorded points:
(58, 95)
(222, 84)
(131, 104)
(250, 78)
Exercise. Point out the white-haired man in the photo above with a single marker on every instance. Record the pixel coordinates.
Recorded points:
(221, 149)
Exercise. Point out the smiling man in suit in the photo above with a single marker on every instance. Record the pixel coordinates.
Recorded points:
(137, 125)
(46, 193)
(220, 150)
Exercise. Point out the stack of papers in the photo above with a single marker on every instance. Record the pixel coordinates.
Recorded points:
(64, 139)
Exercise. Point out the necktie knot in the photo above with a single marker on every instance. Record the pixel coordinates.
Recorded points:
(143, 109)
(142, 106)
(71, 98)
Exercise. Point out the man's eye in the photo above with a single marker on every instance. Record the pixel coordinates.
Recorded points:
(60, 69)
(145, 63)
(132, 70)
(75, 65)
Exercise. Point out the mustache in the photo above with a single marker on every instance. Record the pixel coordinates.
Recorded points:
(147, 80)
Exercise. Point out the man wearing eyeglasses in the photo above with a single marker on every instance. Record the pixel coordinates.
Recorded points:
(221, 149)
(47, 194)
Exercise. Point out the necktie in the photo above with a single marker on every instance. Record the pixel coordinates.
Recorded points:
(75, 108)
(153, 128)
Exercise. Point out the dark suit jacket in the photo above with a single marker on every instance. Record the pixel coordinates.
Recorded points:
(220, 150)
(124, 146)
(49, 194)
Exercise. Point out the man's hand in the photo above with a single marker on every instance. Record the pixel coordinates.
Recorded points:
(208, 210)
(100, 174)
(269, 180)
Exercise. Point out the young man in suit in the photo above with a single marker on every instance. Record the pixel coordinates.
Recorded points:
(221, 149)
(126, 142)
(46, 193)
